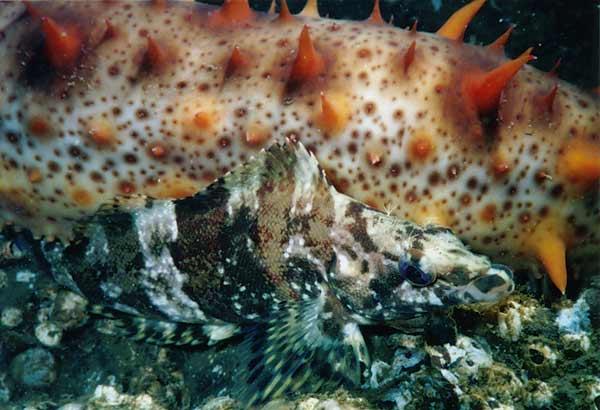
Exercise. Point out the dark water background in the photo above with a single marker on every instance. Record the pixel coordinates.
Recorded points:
(566, 29)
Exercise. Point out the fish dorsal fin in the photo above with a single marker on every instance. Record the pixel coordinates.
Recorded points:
(124, 203)
(287, 166)
(277, 162)
(113, 210)
(307, 345)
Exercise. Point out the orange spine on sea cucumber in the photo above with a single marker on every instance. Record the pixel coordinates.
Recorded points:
(110, 31)
(457, 24)
(549, 246)
(31, 10)
(284, 12)
(159, 5)
(580, 161)
(547, 101)
(310, 9)
(375, 16)
(413, 28)
(231, 12)
(238, 60)
(308, 62)
(554, 70)
(334, 113)
(409, 56)
(500, 42)
(63, 44)
(484, 89)
(156, 56)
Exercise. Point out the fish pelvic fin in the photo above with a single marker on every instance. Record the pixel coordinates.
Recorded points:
(161, 332)
(305, 346)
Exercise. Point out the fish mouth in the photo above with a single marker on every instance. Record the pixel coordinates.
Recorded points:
(492, 286)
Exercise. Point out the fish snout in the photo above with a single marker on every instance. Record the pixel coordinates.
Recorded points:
(495, 284)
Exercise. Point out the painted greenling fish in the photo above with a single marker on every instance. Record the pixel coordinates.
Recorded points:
(273, 254)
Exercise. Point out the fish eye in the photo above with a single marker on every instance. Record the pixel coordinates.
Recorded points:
(415, 275)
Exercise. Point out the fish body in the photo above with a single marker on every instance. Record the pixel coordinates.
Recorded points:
(274, 254)
(99, 100)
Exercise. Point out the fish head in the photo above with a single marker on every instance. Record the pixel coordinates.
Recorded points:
(386, 268)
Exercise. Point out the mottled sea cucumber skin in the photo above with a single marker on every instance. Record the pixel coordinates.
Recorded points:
(155, 104)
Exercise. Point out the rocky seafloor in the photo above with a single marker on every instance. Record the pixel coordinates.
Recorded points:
(524, 353)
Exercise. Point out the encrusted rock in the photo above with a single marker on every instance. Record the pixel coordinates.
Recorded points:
(106, 396)
(538, 395)
(3, 278)
(49, 334)
(11, 317)
(69, 310)
(220, 403)
(379, 372)
(5, 389)
(466, 357)
(34, 368)
(594, 392)
(72, 406)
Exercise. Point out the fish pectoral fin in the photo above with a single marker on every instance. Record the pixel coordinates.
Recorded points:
(161, 332)
(303, 347)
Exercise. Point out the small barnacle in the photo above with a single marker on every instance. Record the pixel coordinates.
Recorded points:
(538, 394)
(540, 359)
(511, 318)
(504, 383)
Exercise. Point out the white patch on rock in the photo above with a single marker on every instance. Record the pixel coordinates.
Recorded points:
(109, 396)
(72, 406)
(453, 380)
(26, 276)
(401, 397)
(574, 324)
(219, 403)
(466, 357)
(379, 371)
(406, 358)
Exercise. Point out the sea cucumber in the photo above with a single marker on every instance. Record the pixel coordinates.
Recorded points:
(107, 99)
